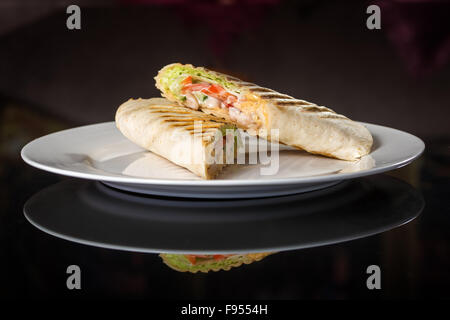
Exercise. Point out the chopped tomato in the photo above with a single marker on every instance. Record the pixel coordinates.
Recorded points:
(220, 93)
(216, 91)
(214, 88)
(194, 87)
(186, 81)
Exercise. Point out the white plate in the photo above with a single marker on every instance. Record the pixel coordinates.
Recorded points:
(100, 152)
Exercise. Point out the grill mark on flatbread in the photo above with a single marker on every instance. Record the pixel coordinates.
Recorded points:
(169, 110)
(274, 95)
(207, 132)
(316, 108)
(332, 116)
(246, 84)
(185, 119)
(293, 103)
(186, 124)
(181, 116)
(207, 128)
(179, 111)
(193, 127)
(257, 89)
(233, 79)
(190, 123)
(191, 120)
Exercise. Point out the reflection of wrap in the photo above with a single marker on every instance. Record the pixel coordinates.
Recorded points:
(181, 135)
(180, 262)
(301, 124)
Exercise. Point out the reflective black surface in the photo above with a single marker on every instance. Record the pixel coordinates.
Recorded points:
(91, 213)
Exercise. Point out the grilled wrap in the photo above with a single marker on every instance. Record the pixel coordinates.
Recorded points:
(186, 137)
(259, 110)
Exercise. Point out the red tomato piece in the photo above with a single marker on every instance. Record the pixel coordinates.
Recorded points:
(194, 87)
(186, 81)
(214, 88)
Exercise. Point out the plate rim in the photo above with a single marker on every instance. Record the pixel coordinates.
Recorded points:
(217, 182)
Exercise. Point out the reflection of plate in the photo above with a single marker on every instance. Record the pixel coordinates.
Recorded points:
(100, 152)
(91, 213)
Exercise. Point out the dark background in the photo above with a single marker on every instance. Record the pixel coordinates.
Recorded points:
(53, 78)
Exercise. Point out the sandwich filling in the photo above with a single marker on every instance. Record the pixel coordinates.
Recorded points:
(197, 89)
(197, 94)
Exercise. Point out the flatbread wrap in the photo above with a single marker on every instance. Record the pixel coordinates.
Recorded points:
(192, 139)
(298, 123)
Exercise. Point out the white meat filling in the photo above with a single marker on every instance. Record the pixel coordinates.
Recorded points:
(191, 101)
(240, 117)
(212, 103)
(195, 100)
